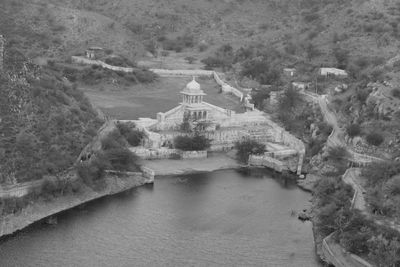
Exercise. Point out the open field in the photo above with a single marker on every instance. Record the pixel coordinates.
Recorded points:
(145, 100)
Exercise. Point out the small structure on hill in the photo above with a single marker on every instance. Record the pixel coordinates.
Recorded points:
(333, 72)
(94, 52)
(341, 88)
(300, 86)
(290, 72)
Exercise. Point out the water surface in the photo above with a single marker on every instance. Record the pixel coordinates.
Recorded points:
(225, 218)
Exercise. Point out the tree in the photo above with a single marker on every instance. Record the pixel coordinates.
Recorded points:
(338, 153)
(195, 143)
(353, 130)
(383, 251)
(290, 99)
(342, 57)
(259, 96)
(375, 138)
(190, 60)
(311, 51)
(248, 147)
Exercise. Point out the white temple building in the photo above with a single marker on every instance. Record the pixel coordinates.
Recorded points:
(192, 108)
(224, 129)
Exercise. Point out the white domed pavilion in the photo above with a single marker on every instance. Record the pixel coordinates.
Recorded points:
(193, 108)
(192, 101)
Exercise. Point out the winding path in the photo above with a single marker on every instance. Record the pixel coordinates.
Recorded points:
(336, 138)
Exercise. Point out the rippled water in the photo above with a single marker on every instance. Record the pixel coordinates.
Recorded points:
(225, 218)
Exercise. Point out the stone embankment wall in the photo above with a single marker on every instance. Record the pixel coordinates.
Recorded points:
(201, 154)
(155, 153)
(267, 161)
(148, 173)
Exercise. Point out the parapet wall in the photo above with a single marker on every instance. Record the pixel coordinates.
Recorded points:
(83, 60)
(226, 88)
(182, 73)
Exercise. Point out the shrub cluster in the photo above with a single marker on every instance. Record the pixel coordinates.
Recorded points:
(131, 134)
(195, 143)
(248, 147)
(375, 138)
(353, 130)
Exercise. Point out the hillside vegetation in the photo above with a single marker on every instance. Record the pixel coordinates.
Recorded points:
(305, 29)
(44, 121)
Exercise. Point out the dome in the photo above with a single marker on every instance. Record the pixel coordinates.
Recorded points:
(193, 87)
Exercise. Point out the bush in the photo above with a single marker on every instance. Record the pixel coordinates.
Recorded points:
(338, 153)
(132, 135)
(195, 143)
(120, 62)
(120, 158)
(248, 147)
(375, 138)
(113, 140)
(325, 128)
(353, 130)
(396, 92)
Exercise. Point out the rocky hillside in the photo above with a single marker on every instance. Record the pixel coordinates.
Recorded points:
(55, 27)
(39, 28)
(44, 121)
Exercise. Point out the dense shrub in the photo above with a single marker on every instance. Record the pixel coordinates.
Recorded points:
(375, 138)
(223, 58)
(396, 92)
(132, 135)
(195, 143)
(314, 147)
(261, 70)
(113, 140)
(248, 147)
(338, 153)
(120, 158)
(92, 172)
(179, 43)
(325, 128)
(120, 61)
(333, 197)
(353, 130)
(259, 96)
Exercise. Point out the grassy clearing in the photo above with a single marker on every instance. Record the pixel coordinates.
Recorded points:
(145, 100)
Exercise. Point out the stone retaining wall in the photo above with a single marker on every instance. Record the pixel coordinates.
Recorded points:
(266, 161)
(201, 154)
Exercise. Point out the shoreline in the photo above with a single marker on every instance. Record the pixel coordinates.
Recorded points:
(165, 167)
(40, 210)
